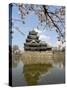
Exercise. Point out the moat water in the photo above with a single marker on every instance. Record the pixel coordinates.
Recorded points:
(37, 74)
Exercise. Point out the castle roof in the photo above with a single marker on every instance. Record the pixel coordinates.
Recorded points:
(33, 42)
(33, 32)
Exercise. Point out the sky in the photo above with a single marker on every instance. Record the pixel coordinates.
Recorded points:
(31, 23)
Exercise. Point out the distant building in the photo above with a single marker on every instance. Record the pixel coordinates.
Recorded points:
(34, 44)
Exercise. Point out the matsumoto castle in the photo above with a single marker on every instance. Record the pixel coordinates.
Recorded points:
(34, 44)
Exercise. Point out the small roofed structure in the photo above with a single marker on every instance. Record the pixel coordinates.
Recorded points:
(34, 44)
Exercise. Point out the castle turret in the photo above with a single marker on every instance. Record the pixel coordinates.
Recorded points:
(34, 44)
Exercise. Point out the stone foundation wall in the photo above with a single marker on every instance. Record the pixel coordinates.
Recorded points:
(42, 57)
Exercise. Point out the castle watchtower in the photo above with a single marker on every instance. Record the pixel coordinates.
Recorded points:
(34, 44)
